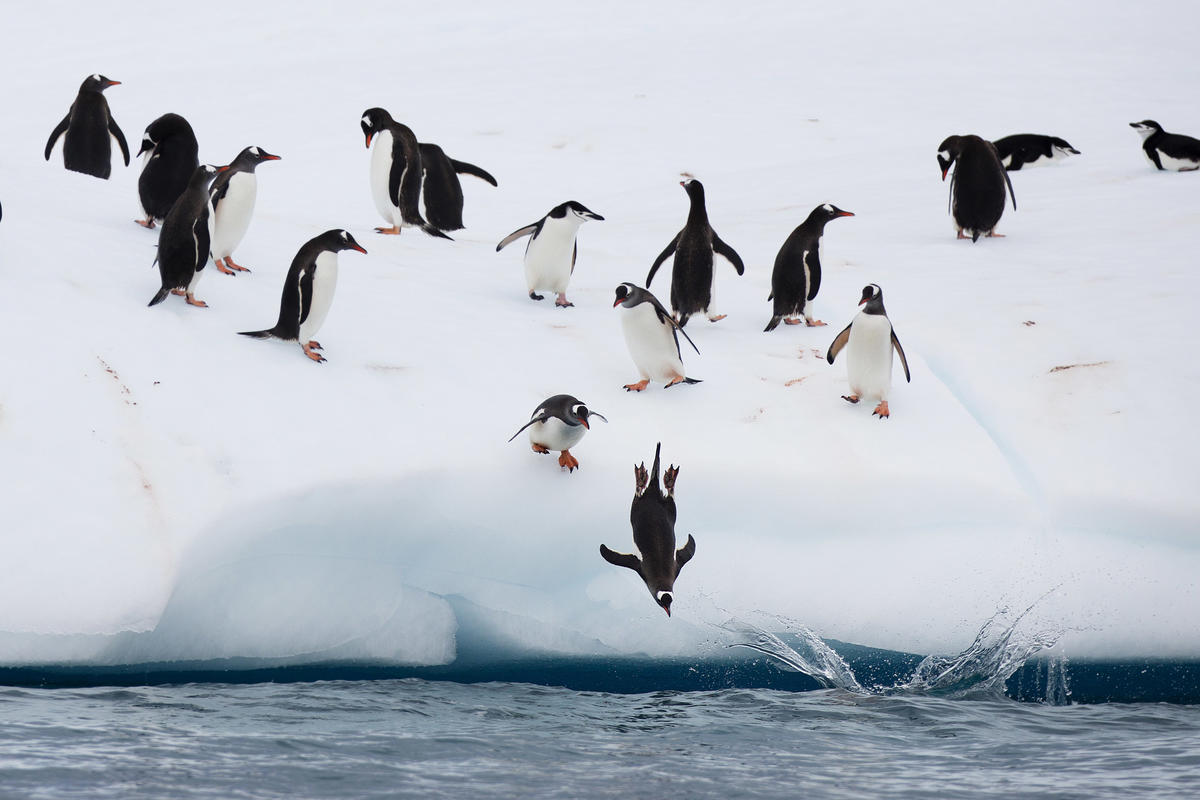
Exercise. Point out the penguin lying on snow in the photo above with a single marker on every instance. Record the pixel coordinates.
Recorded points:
(869, 341)
(1168, 151)
(552, 249)
(395, 172)
(796, 278)
(1031, 149)
(308, 291)
(85, 131)
(558, 423)
(171, 156)
(652, 337)
(441, 190)
(977, 187)
(233, 194)
(652, 515)
(185, 239)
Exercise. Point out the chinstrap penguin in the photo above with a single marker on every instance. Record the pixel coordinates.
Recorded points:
(652, 516)
(395, 172)
(1031, 149)
(441, 191)
(308, 291)
(796, 278)
(977, 186)
(558, 423)
(869, 341)
(170, 156)
(233, 194)
(1168, 151)
(85, 131)
(185, 238)
(692, 278)
(652, 336)
(552, 249)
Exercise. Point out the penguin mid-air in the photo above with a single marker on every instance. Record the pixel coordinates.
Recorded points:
(977, 186)
(395, 173)
(558, 423)
(233, 194)
(85, 131)
(692, 279)
(1031, 149)
(441, 190)
(869, 341)
(171, 155)
(308, 291)
(652, 515)
(652, 336)
(796, 278)
(185, 239)
(1168, 151)
(551, 251)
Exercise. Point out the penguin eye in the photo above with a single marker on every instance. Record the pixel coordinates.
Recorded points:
(580, 410)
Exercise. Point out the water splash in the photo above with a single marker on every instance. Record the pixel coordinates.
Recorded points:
(810, 655)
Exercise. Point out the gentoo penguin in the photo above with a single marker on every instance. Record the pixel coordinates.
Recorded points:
(308, 291)
(869, 340)
(652, 336)
(558, 423)
(185, 238)
(551, 251)
(170, 157)
(652, 515)
(692, 284)
(233, 194)
(395, 172)
(1168, 151)
(796, 278)
(977, 187)
(1031, 149)
(87, 126)
(440, 188)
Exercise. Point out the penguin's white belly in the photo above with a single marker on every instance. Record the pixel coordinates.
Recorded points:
(233, 214)
(869, 356)
(1175, 164)
(651, 344)
(555, 434)
(548, 256)
(381, 169)
(323, 285)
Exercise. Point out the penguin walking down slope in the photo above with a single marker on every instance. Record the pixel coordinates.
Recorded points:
(308, 291)
(552, 249)
(1031, 149)
(869, 341)
(441, 190)
(85, 131)
(796, 278)
(652, 336)
(692, 279)
(1168, 151)
(233, 194)
(171, 156)
(652, 516)
(395, 173)
(185, 239)
(558, 423)
(977, 186)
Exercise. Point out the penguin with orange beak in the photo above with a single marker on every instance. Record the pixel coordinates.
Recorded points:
(558, 423)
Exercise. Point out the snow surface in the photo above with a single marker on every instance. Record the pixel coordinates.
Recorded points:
(173, 491)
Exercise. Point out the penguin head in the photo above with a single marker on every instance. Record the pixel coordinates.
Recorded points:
(580, 212)
(338, 240)
(166, 127)
(948, 152)
(693, 187)
(578, 414)
(251, 157)
(148, 143)
(870, 292)
(626, 293)
(829, 211)
(205, 173)
(1146, 127)
(373, 121)
(663, 598)
(97, 83)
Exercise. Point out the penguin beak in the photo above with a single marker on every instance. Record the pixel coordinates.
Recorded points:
(370, 136)
(222, 169)
(358, 248)
(272, 158)
(114, 83)
(944, 171)
(584, 423)
(667, 609)
(860, 302)
(851, 213)
(618, 301)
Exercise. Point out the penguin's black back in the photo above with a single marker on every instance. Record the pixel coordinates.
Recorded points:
(166, 174)
(652, 516)
(86, 147)
(442, 189)
(789, 287)
(979, 186)
(183, 241)
(1026, 148)
(692, 271)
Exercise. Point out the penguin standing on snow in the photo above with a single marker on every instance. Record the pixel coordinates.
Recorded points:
(171, 156)
(977, 187)
(551, 251)
(1168, 151)
(233, 194)
(692, 284)
(869, 341)
(185, 239)
(796, 278)
(558, 423)
(395, 172)
(652, 515)
(86, 129)
(652, 337)
(441, 190)
(308, 291)
(1031, 149)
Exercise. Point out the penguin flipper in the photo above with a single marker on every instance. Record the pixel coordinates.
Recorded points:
(117, 134)
(680, 329)
(306, 290)
(720, 248)
(670, 248)
(517, 234)
(58, 131)
(574, 255)
(685, 553)
(622, 559)
(838, 343)
(538, 418)
(813, 259)
(903, 360)
(463, 168)
(1011, 194)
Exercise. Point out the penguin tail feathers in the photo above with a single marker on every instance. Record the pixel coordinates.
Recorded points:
(772, 325)
(158, 298)
(432, 231)
(974, 236)
(654, 469)
(267, 334)
(685, 380)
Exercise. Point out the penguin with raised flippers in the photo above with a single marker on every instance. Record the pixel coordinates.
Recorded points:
(869, 341)
(233, 194)
(558, 423)
(796, 278)
(692, 278)
(977, 186)
(1031, 149)
(652, 336)
(396, 173)
(1168, 151)
(85, 131)
(552, 249)
(185, 239)
(171, 156)
(441, 190)
(652, 515)
(308, 291)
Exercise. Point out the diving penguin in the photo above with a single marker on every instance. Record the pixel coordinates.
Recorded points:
(395, 172)
(233, 194)
(1031, 149)
(171, 156)
(441, 191)
(85, 131)
(185, 238)
(869, 341)
(652, 336)
(652, 516)
(552, 249)
(558, 423)
(692, 278)
(977, 187)
(1168, 151)
(308, 291)
(796, 278)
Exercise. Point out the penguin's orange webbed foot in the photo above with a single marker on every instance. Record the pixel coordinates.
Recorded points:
(392, 231)
(192, 301)
(565, 459)
(962, 235)
(792, 321)
(315, 345)
(717, 318)
(562, 302)
(224, 269)
(881, 409)
(815, 323)
(641, 479)
(540, 448)
(148, 224)
(675, 380)
(850, 398)
(179, 292)
(994, 235)
(314, 355)
(669, 479)
(637, 387)
(237, 267)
